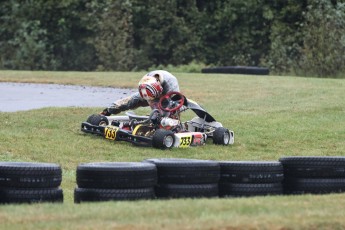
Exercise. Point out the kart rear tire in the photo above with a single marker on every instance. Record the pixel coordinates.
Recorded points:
(98, 119)
(163, 139)
(221, 136)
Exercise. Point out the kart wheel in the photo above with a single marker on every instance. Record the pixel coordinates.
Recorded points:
(221, 136)
(98, 119)
(163, 139)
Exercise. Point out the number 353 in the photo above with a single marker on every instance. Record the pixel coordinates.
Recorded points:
(185, 141)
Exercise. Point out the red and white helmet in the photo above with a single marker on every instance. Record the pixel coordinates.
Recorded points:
(150, 88)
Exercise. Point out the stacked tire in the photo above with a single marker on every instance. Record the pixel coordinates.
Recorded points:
(250, 178)
(313, 175)
(106, 181)
(255, 70)
(28, 182)
(186, 178)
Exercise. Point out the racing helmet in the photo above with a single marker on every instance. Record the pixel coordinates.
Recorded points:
(150, 88)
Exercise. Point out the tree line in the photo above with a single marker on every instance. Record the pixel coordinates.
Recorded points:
(302, 37)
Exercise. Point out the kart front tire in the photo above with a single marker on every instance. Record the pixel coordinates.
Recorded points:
(98, 119)
(163, 139)
(221, 136)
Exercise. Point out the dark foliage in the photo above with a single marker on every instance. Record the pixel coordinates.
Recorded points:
(293, 36)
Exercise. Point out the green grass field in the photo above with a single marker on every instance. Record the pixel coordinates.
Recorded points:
(271, 116)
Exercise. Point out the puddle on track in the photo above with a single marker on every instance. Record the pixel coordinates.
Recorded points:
(27, 96)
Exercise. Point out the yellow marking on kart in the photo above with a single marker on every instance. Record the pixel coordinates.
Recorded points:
(110, 132)
(136, 129)
(185, 140)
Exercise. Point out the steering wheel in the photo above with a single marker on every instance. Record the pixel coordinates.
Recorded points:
(171, 102)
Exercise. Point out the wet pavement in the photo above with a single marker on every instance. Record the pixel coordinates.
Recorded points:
(27, 96)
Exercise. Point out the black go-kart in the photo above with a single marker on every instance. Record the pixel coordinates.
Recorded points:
(163, 128)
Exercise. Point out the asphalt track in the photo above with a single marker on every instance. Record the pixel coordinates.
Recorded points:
(26, 96)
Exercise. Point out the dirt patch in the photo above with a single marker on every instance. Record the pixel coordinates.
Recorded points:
(27, 96)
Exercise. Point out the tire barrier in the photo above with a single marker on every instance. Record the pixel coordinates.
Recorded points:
(104, 181)
(186, 178)
(27, 182)
(251, 70)
(192, 178)
(165, 178)
(314, 175)
(250, 178)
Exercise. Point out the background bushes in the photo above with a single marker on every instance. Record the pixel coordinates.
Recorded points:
(300, 37)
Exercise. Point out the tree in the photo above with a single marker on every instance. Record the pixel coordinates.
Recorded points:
(24, 41)
(286, 36)
(323, 48)
(113, 39)
(235, 32)
(163, 33)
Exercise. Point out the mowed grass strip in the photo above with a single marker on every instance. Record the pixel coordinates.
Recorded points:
(275, 212)
(271, 116)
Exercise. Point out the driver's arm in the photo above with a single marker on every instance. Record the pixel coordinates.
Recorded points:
(132, 102)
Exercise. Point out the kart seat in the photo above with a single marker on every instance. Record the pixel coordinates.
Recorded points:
(133, 116)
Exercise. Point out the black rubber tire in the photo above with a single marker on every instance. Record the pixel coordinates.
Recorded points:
(27, 195)
(159, 137)
(98, 119)
(116, 175)
(218, 136)
(314, 167)
(95, 194)
(247, 189)
(186, 190)
(30, 175)
(186, 171)
(254, 70)
(313, 185)
(251, 171)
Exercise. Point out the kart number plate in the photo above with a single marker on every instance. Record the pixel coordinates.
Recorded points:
(185, 141)
(110, 132)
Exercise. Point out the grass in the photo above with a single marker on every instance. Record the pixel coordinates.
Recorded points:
(272, 117)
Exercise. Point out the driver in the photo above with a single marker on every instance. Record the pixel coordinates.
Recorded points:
(152, 86)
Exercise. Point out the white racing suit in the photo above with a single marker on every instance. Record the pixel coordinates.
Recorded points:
(168, 82)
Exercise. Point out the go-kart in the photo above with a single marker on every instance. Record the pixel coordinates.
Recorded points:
(163, 128)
